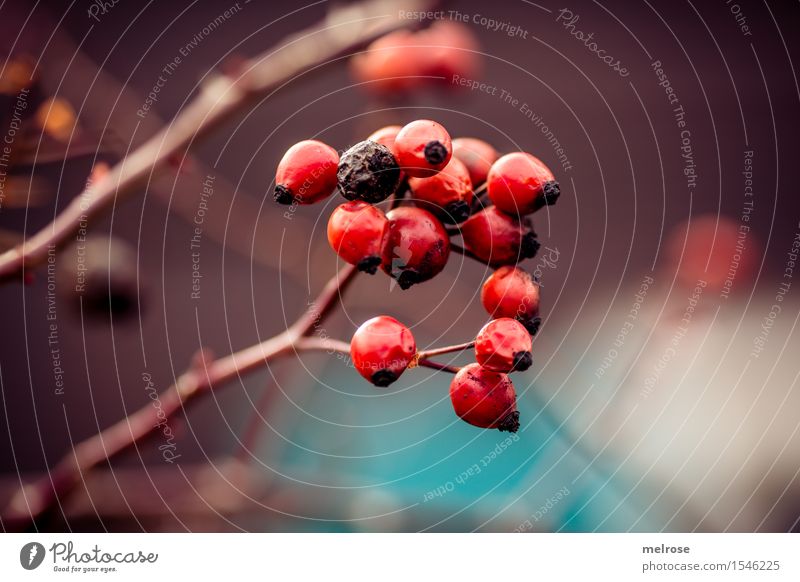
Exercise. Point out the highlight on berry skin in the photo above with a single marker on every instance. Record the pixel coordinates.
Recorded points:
(307, 173)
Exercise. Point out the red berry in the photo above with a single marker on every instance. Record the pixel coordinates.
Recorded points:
(390, 64)
(477, 155)
(368, 171)
(448, 194)
(417, 246)
(520, 183)
(356, 231)
(382, 349)
(512, 292)
(503, 345)
(449, 48)
(306, 173)
(499, 239)
(386, 136)
(423, 147)
(484, 398)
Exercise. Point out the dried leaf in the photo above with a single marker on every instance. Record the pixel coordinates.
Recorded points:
(57, 118)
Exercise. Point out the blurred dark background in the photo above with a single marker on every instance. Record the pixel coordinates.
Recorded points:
(715, 449)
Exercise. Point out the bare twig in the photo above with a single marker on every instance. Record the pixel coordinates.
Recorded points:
(423, 355)
(438, 366)
(205, 374)
(345, 30)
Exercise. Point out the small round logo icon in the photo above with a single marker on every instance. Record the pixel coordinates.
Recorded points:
(31, 555)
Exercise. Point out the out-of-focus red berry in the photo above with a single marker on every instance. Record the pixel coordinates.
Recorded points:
(356, 231)
(423, 147)
(417, 246)
(450, 49)
(448, 194)
(484, 398)
(498, 238)
(708, 247)
(382, 349)
(519, 183)
(403, 61)
(306, 173)
(477, 155)
(512, 292)
(504, 345)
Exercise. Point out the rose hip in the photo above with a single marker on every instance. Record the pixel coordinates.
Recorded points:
(477, 155)
(423, 148)
(484, 398)
(520, 183)
(382, 349)
(503, 345)
(306, 173)
(417, 246)
(512, 292)
(499, 239)
(448, 194)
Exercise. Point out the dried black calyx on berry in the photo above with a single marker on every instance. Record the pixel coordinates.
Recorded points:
(382, 378)
(522, 361)
(510, 422)
(455, 212)
(369, 264)
(368, 171)
(532, 325)
(435, 152)
(550, 193)
(529, 246)
(406, 278)
(283, 195)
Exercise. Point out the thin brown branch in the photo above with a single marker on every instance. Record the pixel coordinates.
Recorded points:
(205, 374)
(424, 355)
(345, 30)
(438, 366)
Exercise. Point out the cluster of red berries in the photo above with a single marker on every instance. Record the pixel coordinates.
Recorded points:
(411, 244)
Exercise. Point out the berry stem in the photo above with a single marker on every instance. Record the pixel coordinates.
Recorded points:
(424, 355)
(36, 500)
(438, 366)
(481, 199)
